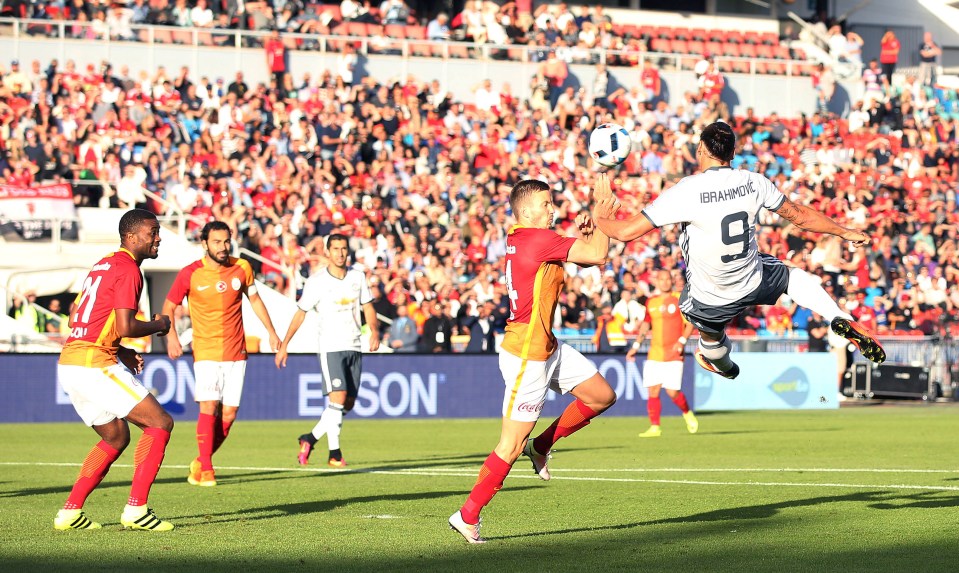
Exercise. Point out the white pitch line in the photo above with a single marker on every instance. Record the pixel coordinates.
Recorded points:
(731, 470)
(470, 473)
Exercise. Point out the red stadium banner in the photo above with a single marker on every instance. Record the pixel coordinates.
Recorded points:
(29, 213)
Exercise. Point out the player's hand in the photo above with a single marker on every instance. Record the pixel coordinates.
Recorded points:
(680, 348)
(173, 347)
(606, 208)
(601, 189)
(131, 359)
(631, 355)
(280, 358)
(584, 222)
(275, 342)
(374, 343)
(166, 323)
(857, 238)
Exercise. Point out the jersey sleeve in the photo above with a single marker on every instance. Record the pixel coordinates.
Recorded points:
(129, 284)
(312, 292)
(669, 208)
(647, 316)
(772, 197)
(366, 295)
(548, 246)
(181, 286)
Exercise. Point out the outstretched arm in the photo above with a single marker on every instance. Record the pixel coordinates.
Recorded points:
(604, 213)
(812, 220)
(593, 248)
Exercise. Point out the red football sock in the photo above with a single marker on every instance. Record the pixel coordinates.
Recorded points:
(94, 468)
(146, 463)
(205, 430)
(490, 480)
(655, 407)
(680, 400)
(576, 416)
(220, 432)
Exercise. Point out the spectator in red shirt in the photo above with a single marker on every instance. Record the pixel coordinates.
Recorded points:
(889, 54)
(276, 57)
(651, 81)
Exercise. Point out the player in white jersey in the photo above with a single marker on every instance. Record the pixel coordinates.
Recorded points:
(337, 294)
(725, 272)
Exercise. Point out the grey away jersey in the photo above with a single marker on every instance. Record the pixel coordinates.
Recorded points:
(718, 211)
(338, 302)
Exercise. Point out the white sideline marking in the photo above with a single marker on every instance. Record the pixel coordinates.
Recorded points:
(464, 472)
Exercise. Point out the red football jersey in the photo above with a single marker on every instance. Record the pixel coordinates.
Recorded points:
(114, 282)
(534, 279)
(666, 326)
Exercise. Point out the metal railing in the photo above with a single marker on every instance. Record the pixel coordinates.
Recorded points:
(289, 273)
(381, 45)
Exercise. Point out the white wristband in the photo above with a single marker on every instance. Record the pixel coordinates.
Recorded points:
(636, 345)
(682, 340)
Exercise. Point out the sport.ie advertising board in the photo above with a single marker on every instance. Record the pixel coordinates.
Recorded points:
(404, 386)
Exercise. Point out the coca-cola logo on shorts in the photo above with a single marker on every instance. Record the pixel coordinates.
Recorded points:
(530, 407)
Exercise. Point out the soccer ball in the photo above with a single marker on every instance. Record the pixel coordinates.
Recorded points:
(609, 144)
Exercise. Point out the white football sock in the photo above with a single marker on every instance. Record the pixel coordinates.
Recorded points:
(807, 291)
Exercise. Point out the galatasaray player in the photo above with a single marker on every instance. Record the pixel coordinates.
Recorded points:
(531, 360)
(664, 364)
(214, 286)
(97, 373)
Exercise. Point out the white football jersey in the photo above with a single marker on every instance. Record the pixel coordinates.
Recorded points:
(718, 210)
(338, 302)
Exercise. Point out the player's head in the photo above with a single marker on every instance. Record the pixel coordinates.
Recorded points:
(717, 142)
(140, 234)
(215, 237)
(338, 248)
(532, 203)
(664, 281)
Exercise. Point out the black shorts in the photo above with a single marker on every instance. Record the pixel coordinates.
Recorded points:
(712, 320)
(341, 371)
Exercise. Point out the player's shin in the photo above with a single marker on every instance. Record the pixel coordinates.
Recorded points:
(576, 417)
(221, 431)
(146, 463)
(717, 353)
(490, 480)
(334, 420)
(655, 408)
(807, 291)
(94, 469)
(205, 439)
(680, 400)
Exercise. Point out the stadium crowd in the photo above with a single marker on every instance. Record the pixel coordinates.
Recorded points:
(420, 181)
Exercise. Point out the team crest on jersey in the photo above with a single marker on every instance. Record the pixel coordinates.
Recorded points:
(235, 283)
(671, 309)
(221, 286)
(337, 383)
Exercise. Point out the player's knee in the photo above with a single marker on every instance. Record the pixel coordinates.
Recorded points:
(164, 422)
(509, 448)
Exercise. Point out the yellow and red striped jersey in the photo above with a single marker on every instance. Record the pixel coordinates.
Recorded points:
(216, 297)
(666, 326)
(114, 282)
(534, 279)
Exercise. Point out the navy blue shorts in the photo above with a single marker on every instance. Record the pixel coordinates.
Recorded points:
(712, 320)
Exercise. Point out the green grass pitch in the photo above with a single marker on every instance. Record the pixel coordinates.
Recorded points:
(859, 489)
